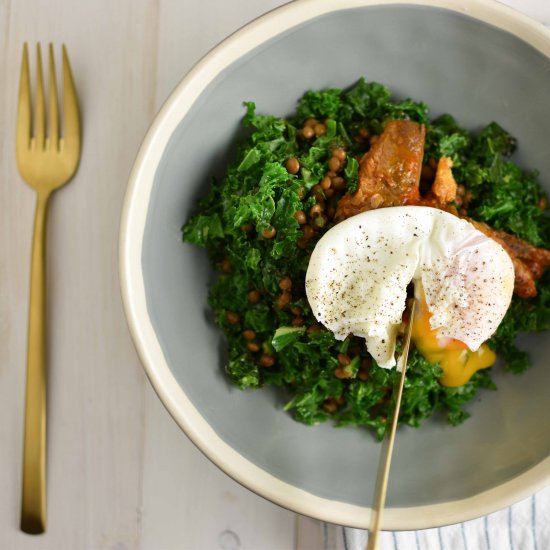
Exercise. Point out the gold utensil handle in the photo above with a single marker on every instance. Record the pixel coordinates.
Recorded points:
(33, 506)
(386, 453)
(46, 162)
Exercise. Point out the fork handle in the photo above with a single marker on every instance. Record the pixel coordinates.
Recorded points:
(33, 505)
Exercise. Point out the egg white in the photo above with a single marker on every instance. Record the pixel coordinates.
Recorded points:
(357, 277)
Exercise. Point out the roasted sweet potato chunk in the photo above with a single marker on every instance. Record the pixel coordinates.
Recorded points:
(389, 173)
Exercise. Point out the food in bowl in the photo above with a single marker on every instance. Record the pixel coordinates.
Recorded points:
(293, 180)
(360, 270)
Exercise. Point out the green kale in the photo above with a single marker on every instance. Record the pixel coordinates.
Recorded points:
(252, 225)
(204, 230)
(352, 174)
(243, 372)
(444, 138)
(286, 335)
(504, 196)
(320, 104)
(523, 316)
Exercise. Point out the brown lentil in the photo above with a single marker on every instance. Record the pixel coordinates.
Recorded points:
(330, 406)
(344, 359)
(300, 217)
(267, 360)
(340, 154)
(296, 310)
(292, 166)
(297, 322)
(314, 328)
(363, 375)
(249, 334)
(320, 129)
(254, 347)
(232, 317)
(253, 296)
(226, 266)
(283, 300)
(269, 233)
(285, 283)
(326, 182)
(315, 210)
(317, 192)
(334, 164)
(308, 132)
(341, 373)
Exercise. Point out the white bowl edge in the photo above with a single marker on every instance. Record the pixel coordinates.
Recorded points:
(133, 221)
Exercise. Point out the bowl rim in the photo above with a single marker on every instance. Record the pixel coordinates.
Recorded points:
(132, 227)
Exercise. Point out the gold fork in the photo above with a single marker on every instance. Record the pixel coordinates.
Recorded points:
(46, 162)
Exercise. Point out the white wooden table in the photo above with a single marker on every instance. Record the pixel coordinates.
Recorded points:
(121, 475)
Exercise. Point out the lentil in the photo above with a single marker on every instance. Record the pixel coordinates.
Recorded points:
(253, 296)
(285, 283)
(232, 317)
(254, 347)
(267, 360)
(269, 233)
(300, 217)
(292, 166)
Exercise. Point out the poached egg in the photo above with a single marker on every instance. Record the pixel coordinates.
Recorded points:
(359, 271)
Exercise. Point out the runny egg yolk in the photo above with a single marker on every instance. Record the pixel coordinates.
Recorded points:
(458, 362)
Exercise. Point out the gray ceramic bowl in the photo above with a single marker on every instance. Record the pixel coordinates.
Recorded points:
(475, 59)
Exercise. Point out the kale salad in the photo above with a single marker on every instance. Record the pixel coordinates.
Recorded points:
(261, 221)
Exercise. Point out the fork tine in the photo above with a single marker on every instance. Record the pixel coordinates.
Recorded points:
(24, 105)
(71, 125)
(53, 113)
(40, 108)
